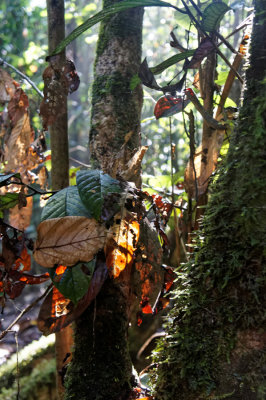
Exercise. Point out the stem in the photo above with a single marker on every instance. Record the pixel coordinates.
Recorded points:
(3, 62)
(23, 312)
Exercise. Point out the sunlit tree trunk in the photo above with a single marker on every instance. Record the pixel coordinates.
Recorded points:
(216, 342)
(101, 368)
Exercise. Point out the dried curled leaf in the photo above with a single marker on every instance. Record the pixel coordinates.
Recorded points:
(7, 86)
(121, 244)
(68, 240)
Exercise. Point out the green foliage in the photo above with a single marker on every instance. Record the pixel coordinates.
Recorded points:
(7, 201)
(213, 15)
(105, 13)
(65, 203)
(75, 281)
(171, 61)
(93, 186)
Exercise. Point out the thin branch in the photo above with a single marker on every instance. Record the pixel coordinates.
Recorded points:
(197, 24)
(23, 312)
(3, 62)
(79, 162)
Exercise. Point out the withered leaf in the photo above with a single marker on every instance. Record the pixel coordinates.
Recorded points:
(20, 217)
(18, 106)
(121, 243)
(68, 240)
(7, 86)
(147, 77)
(205, 47)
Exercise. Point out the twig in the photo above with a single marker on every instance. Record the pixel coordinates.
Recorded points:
(17, 375)
(23, 312)
(3, 62)
(79, 162)
(214, 44)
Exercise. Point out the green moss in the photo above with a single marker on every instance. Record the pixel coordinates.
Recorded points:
(39, 384)
(27, 357)
(36, 372)
(221, 292)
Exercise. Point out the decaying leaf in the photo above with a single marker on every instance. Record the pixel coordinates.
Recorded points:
(148, 275)
(169, 105)
(121, 243)
(57, 312)
(58, 82)
(7, 86)
(205, 47)
(20, 217)
(68, 240)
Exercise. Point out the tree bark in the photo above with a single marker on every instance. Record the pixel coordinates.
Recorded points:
(101, 367)
(60, 163)
(216, 345)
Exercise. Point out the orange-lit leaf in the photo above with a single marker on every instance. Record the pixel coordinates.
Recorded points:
(121, 244)
(23, 263)
(28, 279)
(57, 312)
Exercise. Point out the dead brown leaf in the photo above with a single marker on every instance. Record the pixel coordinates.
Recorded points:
(7, 86)
(68, 240)
(20, 217)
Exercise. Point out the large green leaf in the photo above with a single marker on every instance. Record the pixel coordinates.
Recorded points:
(171, 61)
(65, 203)
(74, 282)
(107, 12)
(94, 186)
(212, 16)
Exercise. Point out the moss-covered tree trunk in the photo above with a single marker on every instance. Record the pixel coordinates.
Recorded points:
(216, 343)
(101, 368)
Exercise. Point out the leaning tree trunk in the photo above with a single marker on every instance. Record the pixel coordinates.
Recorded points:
(215, 345)
(101, 367)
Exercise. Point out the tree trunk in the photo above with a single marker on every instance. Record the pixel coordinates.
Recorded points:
(101, 367)
(60, 162)
(215, 346)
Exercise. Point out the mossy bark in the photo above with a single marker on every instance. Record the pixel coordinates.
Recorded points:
(101, 367)
(216, 343)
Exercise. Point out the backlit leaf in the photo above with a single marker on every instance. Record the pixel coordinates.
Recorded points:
(23, 263)
(169, 105)
(73, 282)
(121, 243)
(93, 186)
(20, 217)
(8, 200)
(65, 203)
(57, 312)
(171, 61)
(68, 240)
(212, 16)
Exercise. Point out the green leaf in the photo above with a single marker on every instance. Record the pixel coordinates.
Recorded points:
(107, 12)
(64, 204)
(171, 61)
(93, 187)
(135, 80)
(212, 16)
(221, 78)
(4, 178)
(75, 281)
(9, 200)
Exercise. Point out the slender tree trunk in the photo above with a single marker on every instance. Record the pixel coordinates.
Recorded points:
(216, 344)
(60, 163)
(101, 368)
